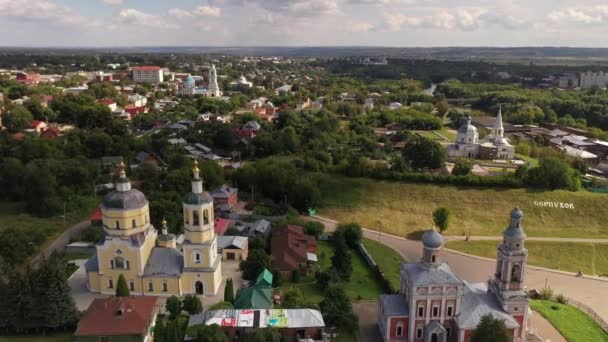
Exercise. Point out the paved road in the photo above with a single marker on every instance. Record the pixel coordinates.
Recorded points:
(58, 245)
(588, 290)
(532, 238)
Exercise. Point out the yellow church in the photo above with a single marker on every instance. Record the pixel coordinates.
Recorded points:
(150, 260)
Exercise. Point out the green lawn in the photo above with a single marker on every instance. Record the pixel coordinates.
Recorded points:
(402, 208)
(387, 259)
(588, 258)
(363, 283)
(572, 323)
(30, 338)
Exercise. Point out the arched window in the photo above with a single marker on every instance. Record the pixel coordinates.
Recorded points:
(399, 329)
(206, 217)
(516, 273)
(165, 286)
(133, 223)
(117, 224)
(186, 216)
(195, 220)
(196, 256)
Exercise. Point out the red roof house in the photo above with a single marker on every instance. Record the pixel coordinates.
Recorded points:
(291, 249)
(50, 133)
(38, 125)
(221, 225)
(119, 316)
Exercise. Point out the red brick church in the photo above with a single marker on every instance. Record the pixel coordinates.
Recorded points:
(435, 305)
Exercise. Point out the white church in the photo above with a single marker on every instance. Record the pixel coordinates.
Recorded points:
(213, 89)
(493, 146)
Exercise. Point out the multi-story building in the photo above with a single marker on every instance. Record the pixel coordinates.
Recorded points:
(435, 305)
(148, 74)
(148, 259)
(589, 79)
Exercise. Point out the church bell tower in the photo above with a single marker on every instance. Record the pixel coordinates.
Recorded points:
(508, 281)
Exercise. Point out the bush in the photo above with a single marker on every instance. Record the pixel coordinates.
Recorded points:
(296, 275)
(546, 293)
(560, 298)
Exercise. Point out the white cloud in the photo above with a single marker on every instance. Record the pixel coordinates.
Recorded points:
(39, 11)
(579, 15)
(179, 13)
(300, 8)
(136, 17)
(360, 27)
(208, 11)
(113, 2)
(464, 19)
(200, 11)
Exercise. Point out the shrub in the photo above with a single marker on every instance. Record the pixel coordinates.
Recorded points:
(560, 298)
(296, 275)
(546, 293)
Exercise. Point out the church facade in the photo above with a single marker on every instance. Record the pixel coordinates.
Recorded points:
(148, 259)
(213, 89)
(435, 305)
(493, 146)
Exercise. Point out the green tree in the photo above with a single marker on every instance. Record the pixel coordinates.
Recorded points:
(553, 173)
(172, 331)
(296, 275)
(462, 167)
(207, 333)
(192, 304)
(337, 309)
(122, 289)
(264, 335)
(314, 228)
(229, 291)
(17, 118)
(441, 218)
(423, 153)
(159, 329)
(174, 306)
(351, 232)
(256, 262)
(341, 261)
(490, 329)
(221, 306)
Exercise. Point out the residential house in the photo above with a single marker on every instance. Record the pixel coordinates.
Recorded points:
(251, 125)
(233, 248)
(119, 319)
(291, 249)
(108, 102)
(38, 126)
(225, 197)
(148, 158)
(221, 225)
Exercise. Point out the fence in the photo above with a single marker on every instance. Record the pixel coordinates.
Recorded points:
(377, 270)
(589, 311)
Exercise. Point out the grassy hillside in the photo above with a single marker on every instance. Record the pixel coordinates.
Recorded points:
(572, 323)
(588, 258)
(402, 208)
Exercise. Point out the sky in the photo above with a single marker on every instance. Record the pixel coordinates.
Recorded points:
(398, 23)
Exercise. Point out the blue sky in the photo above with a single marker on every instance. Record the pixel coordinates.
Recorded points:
(304, 22)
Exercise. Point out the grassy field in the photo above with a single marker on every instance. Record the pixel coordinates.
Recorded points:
(387, 259)
(402, 208)
(572, 323)
(588, 258)
(52, 338)
(363, 283)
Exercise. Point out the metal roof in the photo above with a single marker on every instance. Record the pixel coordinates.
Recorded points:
(225, 241)
(395, 305)
(418, 275)
(274, 318)
(477, 302)
(164, 261)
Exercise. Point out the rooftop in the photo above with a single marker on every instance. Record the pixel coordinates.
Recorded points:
(280, 318)
(477, 302)
(118, 316)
